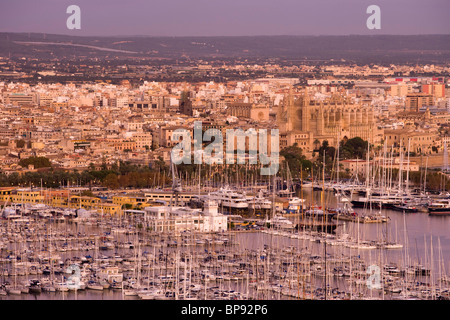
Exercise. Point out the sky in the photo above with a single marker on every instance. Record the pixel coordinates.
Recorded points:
(225, 17)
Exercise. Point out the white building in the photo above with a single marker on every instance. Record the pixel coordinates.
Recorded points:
(178, 219)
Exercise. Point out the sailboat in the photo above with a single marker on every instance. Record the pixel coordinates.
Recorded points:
(94, 285)
(280, 222)
(35, 286)
(295, 205)
(227, 197)
(259, 203)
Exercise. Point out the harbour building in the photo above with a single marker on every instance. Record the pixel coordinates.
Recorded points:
(179, 219)
(308, 122)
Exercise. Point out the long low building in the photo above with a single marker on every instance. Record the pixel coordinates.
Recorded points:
(420, 142)
(56, 198)
(179, 219)
(183, 197)
(359, 166)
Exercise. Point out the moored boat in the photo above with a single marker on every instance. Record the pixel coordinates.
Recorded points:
(35, 286)
(439, 207)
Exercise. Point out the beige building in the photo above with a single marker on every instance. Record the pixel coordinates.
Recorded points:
(45, 100)
(248, 110)
(396, 164)
(142, 139)
(135, 125)
(437, 90)
(123, 144)
(355, 166)
(308, 122)
(415, 101)
(21, 99)
(400, 90)
(359, 166)
(418, 141)
(165, 135)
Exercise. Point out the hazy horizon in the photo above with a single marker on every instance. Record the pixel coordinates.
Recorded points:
(210, 18)
(226, 36)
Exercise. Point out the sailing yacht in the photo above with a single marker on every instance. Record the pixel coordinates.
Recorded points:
(14, 291)
(405, 207)
(439, 207)
(94, 285)
(35, 286)
(153, 294)
(379, 202)
(285, 193)
(111, 275)
(307, 185)
(227, 197)
(61, 286)
(259, 202)
(279, 221)
(45, 214)
(295, 205)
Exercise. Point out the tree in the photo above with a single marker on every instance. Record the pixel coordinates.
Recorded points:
(20, 143)
(87, 193)
(295, 159)
(160, 164)
(316, 144)
(354, 148)
(115, 167)
(330, 154)
(37, 162)
(127, 206)
(111, 181)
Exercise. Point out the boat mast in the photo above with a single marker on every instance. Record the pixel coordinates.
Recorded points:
(368, 168)
(323, 183)
(425, 178)
(400, 169)
(407, 170)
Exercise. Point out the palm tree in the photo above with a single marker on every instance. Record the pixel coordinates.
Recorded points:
(316, 144)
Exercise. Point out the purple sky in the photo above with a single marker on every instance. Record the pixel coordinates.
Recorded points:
(225, 17)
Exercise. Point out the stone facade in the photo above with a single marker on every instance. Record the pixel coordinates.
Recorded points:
(308, 122)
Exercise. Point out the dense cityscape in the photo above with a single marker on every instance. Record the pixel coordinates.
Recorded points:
(88, 182)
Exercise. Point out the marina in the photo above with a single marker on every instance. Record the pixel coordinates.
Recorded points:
(287, 256)
(246, 154)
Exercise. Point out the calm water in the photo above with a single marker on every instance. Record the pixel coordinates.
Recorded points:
(421, 235)
(81, 295)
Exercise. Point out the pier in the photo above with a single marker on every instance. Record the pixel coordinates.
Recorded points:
(122, 256)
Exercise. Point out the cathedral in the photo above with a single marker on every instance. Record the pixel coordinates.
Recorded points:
(309, 122)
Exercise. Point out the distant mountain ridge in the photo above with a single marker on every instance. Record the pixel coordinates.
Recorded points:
(357, 48)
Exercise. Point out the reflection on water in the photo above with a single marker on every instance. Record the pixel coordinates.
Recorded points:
(71, 295)
(425, 240)
(418, 230)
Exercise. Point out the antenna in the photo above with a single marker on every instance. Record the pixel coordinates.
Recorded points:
(176, 183)
(445, 167)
